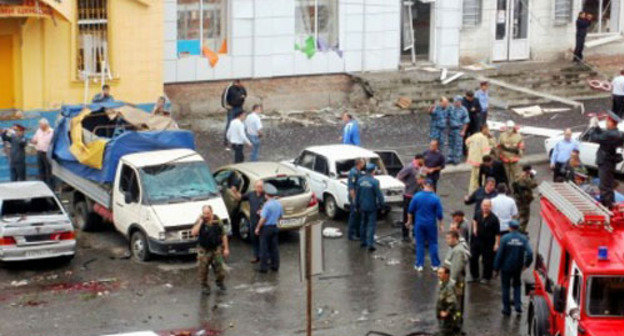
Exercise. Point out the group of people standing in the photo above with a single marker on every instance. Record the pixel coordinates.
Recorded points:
(241, 129)
(15, 141)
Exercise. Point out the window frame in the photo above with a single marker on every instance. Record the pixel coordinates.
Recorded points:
(318, 159)
(126, 168)
(477, 14)
(316, 33)
(224, 22)
(299, 160)
(80, 66)
(587, 296)
(563, 19)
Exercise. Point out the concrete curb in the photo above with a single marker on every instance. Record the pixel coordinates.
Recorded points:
(529, 159)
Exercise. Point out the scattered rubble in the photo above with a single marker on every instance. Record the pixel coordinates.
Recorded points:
(332, 232)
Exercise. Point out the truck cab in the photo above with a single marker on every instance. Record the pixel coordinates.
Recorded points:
(577, 285)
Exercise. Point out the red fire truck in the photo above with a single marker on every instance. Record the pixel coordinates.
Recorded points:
(578, 273)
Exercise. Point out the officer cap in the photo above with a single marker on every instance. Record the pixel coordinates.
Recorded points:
(613, 116)
(514, 224)
(370, 167)
(527, 168)
(457, 98)
(270, 189)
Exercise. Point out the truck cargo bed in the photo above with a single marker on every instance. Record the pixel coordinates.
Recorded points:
(99, 193)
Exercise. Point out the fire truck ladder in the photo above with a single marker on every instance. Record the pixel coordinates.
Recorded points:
(576, 204)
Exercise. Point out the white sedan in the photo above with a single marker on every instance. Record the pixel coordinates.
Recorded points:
(587, 148)
(327, 168)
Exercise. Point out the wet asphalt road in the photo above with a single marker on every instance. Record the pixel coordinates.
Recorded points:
(100, 292)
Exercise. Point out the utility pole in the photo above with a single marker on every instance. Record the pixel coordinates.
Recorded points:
(308, 276)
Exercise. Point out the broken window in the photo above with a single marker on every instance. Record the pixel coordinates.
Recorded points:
(471, 13)
(317, 21)
(563, 12)
(29, 206)
(93, 39)
(202, 24)
(129, 185)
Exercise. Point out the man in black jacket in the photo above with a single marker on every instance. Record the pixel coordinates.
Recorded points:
(232, 99)
(474, 114)
(607, 156)
(492, 168)
(582, 25)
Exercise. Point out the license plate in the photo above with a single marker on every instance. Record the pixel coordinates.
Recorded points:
(292, 222)
(37, 253)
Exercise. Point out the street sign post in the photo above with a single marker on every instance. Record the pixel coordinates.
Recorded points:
(310, 261)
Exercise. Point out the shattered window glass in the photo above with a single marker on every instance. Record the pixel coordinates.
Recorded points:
(29, 206)
(180, 182)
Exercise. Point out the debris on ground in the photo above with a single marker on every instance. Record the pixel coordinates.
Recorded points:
(404, 103)
(19, 283)
(393, 262)
(452, 78)
(93, 286)
(332, 232)
(529, 111)
(479, 66)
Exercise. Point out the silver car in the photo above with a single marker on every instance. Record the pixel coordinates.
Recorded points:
(33, 224)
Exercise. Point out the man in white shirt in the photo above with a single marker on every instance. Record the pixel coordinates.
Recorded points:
(41, 140)
(237, 137)
(618, 94)
(253, 125)
(504, 207)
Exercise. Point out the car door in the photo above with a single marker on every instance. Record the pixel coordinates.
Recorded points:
(588, 150)
(127, 199)
(305, 164)
(573, 301)
(226, 179)
(391, 161)
(319, 177)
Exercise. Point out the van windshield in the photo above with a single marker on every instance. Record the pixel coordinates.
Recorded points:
(29, 207)
(606, 296)
(178, 182)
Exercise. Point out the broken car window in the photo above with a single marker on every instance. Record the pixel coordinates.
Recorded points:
(180, 182)
(30, 206)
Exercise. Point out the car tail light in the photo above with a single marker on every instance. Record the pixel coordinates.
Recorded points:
(313, 201)
(7, 241)
(67, 235)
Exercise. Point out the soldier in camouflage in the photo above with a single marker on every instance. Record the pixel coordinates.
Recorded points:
(439, 121)
(456, 260)
(212, 247)
(511, 149)
(447, 306)
(458, 123)
(523, 193)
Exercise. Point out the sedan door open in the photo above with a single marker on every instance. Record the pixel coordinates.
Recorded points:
(391, 161)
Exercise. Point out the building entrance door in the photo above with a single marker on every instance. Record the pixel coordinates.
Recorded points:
(511, 31)
(416, 29)
(7, 89)
(606, 15)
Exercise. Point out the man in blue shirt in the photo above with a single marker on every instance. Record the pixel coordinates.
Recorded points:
(458, 123)
(350, 131)
(424, 210)
(483, 96)
(104, 96)
(369, 200)
(439, 120)
(354, 216)
(268, 231)
(561, 154)
(513, 255)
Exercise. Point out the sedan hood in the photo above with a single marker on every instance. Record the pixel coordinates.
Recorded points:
(389, 182)
(177, 214)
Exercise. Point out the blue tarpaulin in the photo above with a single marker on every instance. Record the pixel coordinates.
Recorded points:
(127, 143)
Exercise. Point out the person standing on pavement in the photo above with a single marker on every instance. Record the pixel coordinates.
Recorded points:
(583, 22)
(561, 153)
(104, 96)
(607, 157)
(458, 123)
(488, 191)
(439, 120)
(434, 163)
(473, 107)
(478, 146)
(213, 247)
(484, 242)
(232, 99)
(350, 131)
(353, 230)
(456, 260)
(492, 168)
(513, 256)
(618, 94)
(256, 199)
(447, 305)
(369, 200)
(425, 211)
(483, 97)
(237, 137)
(270, 215)
(504, 207)
(409, 176)
(41, 140)
(17, 155)
(253, 126)
(511, 148)
(523, 193)
(458, 224)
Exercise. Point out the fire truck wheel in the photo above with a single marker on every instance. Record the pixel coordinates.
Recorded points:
(538, 318)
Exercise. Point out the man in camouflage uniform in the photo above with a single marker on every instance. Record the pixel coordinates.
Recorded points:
(458, 123)
(511, 148)
(212, 247)
(439, 117)
(523, 193)
(447, 307)
(456, 260)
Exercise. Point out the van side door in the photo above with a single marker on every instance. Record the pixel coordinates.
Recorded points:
(573, 301)
(127, 206)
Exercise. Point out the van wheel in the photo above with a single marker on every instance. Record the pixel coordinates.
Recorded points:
(538, 318)
(331, 208)
(84, 219)
(139, 247)
(244, 228)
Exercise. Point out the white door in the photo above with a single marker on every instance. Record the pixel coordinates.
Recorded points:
(126, 210)
(305, 164)
(573, 301)
(511, 31)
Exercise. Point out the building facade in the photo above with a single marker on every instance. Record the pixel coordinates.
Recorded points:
(49, 49)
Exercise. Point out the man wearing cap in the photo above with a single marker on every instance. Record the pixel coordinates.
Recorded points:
(512, 257)
(353, 229)
(478, 146)
(272, 212)
(237, 137)
(369, 200)
(523, 193)
(458, 123)
(561, 153)
(423, 213)
(409, 176)
(439, 118)
(618, 94)
(17, 156)
(606, 159)
(483, 96)
(511, 148)
(41, 140)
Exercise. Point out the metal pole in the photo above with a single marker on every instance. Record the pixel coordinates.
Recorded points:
(600, 4)
(308, 274)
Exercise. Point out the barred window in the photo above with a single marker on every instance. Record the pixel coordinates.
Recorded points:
(202, 24)
(93, 49)
(471, 13)
(563, 12)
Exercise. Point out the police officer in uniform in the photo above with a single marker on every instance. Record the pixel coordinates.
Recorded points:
(447, 306)
(523, 193)
(17, 155)
(355, 173)
(511, 148)
(439, 117)
(456, 260)
(369, 200)
(272, 212)
(607, 157)
(512, 257)
(212, 247)
(458, 123)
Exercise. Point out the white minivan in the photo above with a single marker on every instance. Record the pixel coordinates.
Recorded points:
(33, 223)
